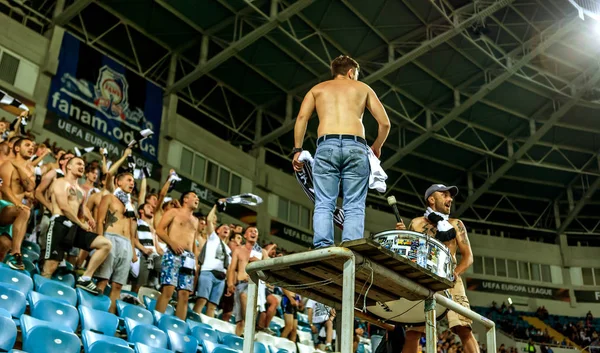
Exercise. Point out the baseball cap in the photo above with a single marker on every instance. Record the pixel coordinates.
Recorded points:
(441, 187)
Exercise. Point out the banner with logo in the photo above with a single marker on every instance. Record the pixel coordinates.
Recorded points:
(292, 234)
(523, 290)
(96, 101)
(209, 197)
(587, 296)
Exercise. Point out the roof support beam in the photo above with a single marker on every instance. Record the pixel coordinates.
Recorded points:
(237, 46)
(73, 10)
(560, 30)
(579, 206)
(555, 117)
(434, 42)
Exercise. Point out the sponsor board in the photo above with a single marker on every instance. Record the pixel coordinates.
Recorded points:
(523, 290)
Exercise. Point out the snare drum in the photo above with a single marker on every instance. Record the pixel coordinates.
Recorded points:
(407, 312)
(427, 252)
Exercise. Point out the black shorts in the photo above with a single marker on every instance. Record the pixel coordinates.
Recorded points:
(63, 235)
(288, 308)
(227, 303)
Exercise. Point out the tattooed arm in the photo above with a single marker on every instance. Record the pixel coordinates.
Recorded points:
(462, 240)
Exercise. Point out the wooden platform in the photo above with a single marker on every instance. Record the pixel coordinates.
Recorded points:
(322, 280)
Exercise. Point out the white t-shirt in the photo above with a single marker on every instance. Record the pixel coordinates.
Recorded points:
(214, 254)
(320, 311)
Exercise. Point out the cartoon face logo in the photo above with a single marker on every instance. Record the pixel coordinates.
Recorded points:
(111, 92)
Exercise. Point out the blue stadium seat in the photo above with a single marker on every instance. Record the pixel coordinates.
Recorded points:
(17, 279)
(208, 346)
(182, 343)
(134, 312)
(45, 339)
(205, 334)
(12, 300)
(31, 246)
(233, 341)
(146, 334)
(192, 315)
(33, 297)
(5, 313)
(223, 349)
(30, 255)
(193, 323)
(59, 291)
(100, 302)
(172, 323)
(67, 279)
(151, 304)
(98, 321)
(8, 333)
(260, 347)
(98, 343)
(54, 311)
(142, 348)
(28, 323)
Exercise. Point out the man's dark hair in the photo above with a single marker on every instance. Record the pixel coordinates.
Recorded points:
(341, 65)
(183, 195)
(13, 139)
(19, 142)
(232, 236)
(150, 195)
(90, 168)
(141, 208)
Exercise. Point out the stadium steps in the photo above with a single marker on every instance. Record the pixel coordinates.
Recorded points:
(539, 324)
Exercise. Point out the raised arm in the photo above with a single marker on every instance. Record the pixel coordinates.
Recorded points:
(41, 156)
(40, 191)
(142, 193)
(378, 111)
(104, 165)
(464, 246)
(6, 174)
(211, 220)
(115, 166)
(163, 191)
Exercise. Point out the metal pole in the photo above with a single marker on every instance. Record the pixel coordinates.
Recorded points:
(250, 324)
(347, 334)
(430, 326)
(491, 339)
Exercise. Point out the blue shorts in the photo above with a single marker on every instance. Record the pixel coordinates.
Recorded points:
(178, 270)
(6, 229)
(210, 287)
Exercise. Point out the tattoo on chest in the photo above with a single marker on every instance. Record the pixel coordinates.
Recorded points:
(110, 218)
(72, 192)
(79, 195)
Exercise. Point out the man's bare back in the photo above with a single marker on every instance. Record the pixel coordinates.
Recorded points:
(340, 106)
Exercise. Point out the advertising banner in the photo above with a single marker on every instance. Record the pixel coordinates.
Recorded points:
(524, 290)
(587, 296)
(95, 101)
(292, 234)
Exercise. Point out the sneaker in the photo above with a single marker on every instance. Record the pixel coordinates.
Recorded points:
(268, 331)
(16, 262)
(87, 286)
(328, 348)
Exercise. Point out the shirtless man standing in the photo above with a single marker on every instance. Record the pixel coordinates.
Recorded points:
(342, 152)
(452, 233)
(178, 228)
(67, 230)
(237, 274)
(117, 222)
(18, 178)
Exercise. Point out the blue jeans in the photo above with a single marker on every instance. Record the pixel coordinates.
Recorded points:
(344, 162)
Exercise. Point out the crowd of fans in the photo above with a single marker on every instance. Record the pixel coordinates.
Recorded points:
(581, 331)
(101, 218)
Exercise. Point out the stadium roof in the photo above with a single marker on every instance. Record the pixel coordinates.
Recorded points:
(498, 97)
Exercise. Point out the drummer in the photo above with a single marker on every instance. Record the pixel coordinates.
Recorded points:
(452, 233)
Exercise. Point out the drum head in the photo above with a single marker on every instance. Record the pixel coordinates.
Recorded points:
(405, 311)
